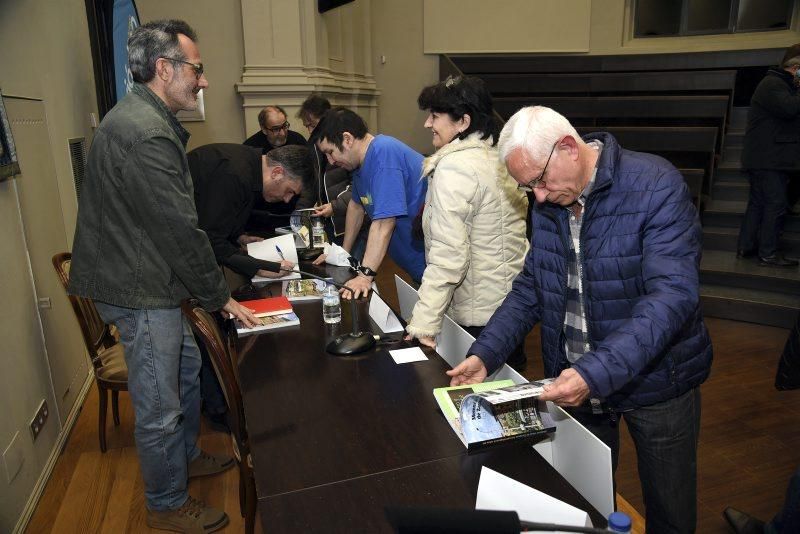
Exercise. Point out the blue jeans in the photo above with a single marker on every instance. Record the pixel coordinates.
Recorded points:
(164, 385)
(665, 436)
(766, 208)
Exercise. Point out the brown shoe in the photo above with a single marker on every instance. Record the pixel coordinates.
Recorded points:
(209, 464)
(194, 517)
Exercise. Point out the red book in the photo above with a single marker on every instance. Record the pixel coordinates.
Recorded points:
(268, 306)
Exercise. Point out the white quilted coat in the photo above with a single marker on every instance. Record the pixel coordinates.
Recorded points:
(475, 245)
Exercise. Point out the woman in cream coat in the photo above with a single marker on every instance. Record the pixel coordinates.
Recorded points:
(474, 217)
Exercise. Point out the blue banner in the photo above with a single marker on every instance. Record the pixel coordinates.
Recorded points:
(125, 19)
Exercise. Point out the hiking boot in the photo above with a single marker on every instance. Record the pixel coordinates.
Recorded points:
(194, 517)
(209, 464)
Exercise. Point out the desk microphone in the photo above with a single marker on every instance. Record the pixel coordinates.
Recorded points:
(462, 521)
(346, 344)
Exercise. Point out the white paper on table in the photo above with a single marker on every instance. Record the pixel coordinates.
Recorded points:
(266, 250)
(501, 493)
(414, 354)
(336, 255)
(383, 316)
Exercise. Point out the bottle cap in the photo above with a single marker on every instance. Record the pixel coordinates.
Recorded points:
(619, 522)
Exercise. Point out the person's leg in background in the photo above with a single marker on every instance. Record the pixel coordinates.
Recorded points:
(772, 189)
(751, 222)
(666, 436)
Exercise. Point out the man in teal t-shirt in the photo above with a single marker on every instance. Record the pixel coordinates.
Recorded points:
(387, 186)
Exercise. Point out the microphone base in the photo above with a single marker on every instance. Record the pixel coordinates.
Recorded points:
(347, 344)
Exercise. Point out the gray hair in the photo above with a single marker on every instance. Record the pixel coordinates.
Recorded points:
(295, 160)
(155, 40)
(535, 129)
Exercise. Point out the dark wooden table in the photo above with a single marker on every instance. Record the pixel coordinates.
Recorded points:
(335, 439)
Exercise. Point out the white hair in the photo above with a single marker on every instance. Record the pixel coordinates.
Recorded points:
(535, 129)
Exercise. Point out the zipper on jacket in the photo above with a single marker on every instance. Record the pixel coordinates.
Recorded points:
(562, 350)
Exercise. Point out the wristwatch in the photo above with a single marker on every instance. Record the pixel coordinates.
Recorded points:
(366, 271)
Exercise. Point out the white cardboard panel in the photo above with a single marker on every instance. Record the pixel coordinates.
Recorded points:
(577, 454)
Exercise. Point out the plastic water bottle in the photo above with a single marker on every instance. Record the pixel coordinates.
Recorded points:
(331, 305)
(317, 234)
(619, 522)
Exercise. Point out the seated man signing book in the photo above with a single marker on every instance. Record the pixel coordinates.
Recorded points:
(227, 180)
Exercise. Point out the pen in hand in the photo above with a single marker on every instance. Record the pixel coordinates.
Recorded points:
(280, 252)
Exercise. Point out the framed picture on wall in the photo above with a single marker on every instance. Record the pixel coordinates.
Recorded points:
(8, 154)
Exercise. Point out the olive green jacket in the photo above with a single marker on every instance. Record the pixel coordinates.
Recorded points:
(137, 244)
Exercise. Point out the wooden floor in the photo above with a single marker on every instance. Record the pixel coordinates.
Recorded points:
(749, 446)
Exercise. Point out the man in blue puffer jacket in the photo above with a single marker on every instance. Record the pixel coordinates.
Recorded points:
(612, 275)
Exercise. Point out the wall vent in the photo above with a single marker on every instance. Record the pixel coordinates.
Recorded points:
(77, 155)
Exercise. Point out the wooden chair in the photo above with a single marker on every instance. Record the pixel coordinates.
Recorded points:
(105, 352)
(221, 346)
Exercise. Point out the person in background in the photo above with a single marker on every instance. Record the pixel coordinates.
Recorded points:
(474, 217)
(332, 188)
(387, 188)
(612, 275)
(771, 153)
(274, 131)
(138, 252)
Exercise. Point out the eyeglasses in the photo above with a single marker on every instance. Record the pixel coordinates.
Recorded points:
(538, 183)
(277, 129)
(197, 67)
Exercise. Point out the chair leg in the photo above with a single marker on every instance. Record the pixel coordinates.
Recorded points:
(250, 505)
(115, 406)
(103, 395)
(242, 490)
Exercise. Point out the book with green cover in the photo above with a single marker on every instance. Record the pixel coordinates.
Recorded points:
(494, 412)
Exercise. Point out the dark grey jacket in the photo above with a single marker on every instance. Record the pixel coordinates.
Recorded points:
(772, 138)
(137, 244)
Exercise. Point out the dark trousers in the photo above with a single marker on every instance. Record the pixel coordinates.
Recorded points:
(766, 208)
(788, 519)
(665, 436)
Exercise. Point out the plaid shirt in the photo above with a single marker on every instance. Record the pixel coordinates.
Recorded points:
(575, 330)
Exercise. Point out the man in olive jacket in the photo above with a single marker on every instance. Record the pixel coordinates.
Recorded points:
(138, 252)
(771, 152)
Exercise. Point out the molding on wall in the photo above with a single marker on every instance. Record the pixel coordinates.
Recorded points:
(44, 477)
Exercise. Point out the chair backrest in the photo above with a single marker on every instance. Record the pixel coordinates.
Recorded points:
(96, 333)
(220, 343)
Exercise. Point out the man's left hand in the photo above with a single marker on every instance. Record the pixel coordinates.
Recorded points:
(569, 389)
(360, 285)
(244, 239)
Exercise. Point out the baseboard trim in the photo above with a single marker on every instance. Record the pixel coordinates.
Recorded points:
(44, 477)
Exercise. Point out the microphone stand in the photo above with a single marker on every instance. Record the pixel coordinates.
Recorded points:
(354, 342)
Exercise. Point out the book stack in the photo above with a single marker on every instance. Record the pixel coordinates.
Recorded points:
(272, 312)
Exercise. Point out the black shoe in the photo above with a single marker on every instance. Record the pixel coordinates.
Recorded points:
(745, 253)
(742, 523)
(776, 260)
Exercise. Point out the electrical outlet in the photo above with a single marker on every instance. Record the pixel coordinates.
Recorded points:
(39, 419)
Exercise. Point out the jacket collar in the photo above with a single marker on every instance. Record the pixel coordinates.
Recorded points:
(606, 167)
(153, 99)
(778, 72)
(473, 140)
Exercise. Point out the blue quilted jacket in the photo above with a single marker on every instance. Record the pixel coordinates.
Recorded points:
(641, 246)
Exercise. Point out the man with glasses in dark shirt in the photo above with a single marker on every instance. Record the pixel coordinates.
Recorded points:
(274, 131)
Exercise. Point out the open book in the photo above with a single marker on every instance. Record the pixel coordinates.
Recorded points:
(306, 289)
(494, 412)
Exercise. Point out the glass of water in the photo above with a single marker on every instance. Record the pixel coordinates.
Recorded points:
(331, 305)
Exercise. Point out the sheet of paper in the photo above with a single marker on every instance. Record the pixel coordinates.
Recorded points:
(267, 250)
(414, 354)
(383, 316)
(498, 492)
